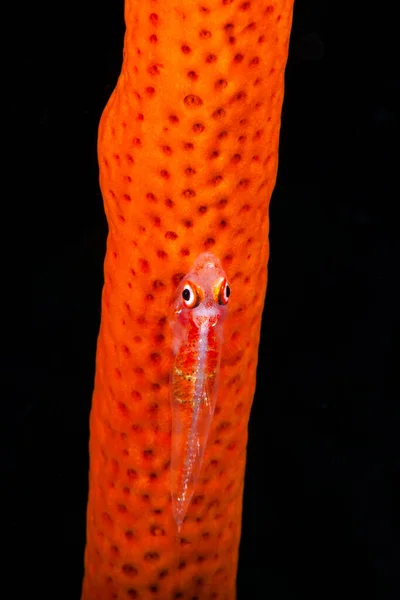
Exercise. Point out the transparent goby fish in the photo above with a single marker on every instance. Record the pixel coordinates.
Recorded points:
(200, 307)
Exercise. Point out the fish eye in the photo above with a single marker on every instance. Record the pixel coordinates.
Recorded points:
(224, 293)
(191, 295)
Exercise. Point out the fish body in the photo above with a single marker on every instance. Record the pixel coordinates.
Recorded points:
(197, 341)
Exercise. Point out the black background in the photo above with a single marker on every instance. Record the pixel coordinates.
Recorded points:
(322, 496)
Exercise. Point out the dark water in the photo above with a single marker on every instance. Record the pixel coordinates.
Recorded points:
(321, 506)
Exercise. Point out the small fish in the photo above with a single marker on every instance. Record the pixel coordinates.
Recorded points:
(200, 307)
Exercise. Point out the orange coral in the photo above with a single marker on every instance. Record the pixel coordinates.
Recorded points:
(188, 147)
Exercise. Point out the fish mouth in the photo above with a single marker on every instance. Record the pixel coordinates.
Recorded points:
(207, 318)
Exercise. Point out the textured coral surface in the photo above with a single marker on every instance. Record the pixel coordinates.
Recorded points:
(188, 148)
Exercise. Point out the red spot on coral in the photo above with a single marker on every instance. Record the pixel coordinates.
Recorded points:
(151, 556)
(126, 351)
(150, 196)
(107, 520)
(171, 235)
(205, 34)
(217, 180)
(132, 475)
(188, 146)
(150, 91)
(189, 193)
(159, 337)
(192, 101)
(185, 49)
(239, 97)
(177, 278)
(164, 174)
(154, 69)
(153, 408)
(155, 357)
(153, 18)
(129, 570)
(144, 265)
(209, 243)
(127, 197)
(222, 203)
(238, 58)
(153, 39)
(220, 84)
(219, 113)
(198, 128)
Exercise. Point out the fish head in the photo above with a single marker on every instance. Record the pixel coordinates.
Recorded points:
(203, 294)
